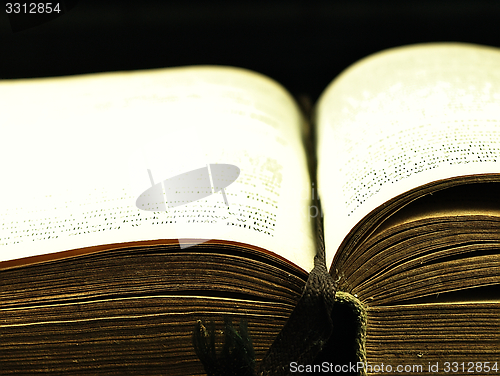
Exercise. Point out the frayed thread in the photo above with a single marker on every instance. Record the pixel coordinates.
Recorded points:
(237, 357)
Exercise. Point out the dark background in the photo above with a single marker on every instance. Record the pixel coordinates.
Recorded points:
(303, 45)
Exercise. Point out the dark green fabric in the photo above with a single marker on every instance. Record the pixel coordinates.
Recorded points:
(325, 326)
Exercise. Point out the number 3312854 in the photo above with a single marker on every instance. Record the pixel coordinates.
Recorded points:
(32, 8)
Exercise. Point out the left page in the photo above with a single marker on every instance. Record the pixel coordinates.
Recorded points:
(79, 151)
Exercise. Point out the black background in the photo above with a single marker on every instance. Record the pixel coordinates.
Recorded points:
(303, 45)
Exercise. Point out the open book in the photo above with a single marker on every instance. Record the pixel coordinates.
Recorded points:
(135, 203)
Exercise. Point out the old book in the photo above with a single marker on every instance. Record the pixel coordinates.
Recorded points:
(136, 203)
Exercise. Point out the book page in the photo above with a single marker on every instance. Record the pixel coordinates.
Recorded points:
(403, 118)
(80, 151)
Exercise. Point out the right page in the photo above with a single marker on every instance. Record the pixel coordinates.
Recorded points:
(418, 116)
